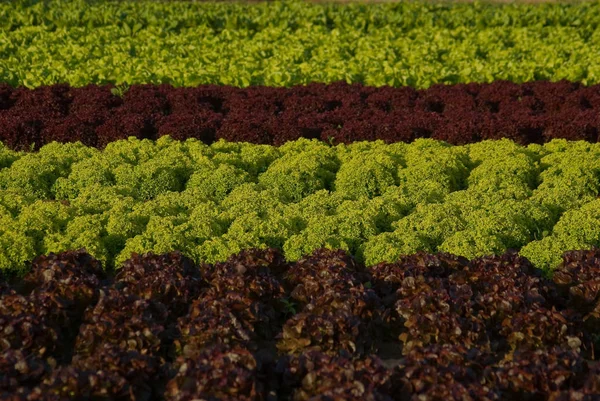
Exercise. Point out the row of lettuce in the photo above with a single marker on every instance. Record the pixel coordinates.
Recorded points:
(533, 112)
(375, 200)
(258, 328)
(264, 48)
(292, 15)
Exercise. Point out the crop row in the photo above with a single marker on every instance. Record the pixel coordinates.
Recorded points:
(404, 17)
(386, 46)
(534, 112)
(375, 200)
(256, 327)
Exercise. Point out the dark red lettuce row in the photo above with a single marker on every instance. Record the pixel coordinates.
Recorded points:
(533, 112)
(259, 328)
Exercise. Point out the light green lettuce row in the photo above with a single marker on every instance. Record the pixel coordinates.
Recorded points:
(375, 200)
(291, 15)
(281, 44)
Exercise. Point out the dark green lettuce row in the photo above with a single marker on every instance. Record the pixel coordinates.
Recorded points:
(375, 200)
(282, 44)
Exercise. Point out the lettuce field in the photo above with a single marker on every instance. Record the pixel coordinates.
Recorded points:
(294, 201)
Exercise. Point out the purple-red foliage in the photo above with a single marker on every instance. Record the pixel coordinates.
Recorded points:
(171, 279)
(201, 124)
(433, 314)
(441, 372)
(49, 102)
(504, 285)
(20, 129)
(324, 270)
(33, 324)
(122, 125)
(124, 320)
(140, 370)
(226, 318)
(73, 275)
(388, 277)
(539, 328)
(314, 375)
(217, 373)
(6, 99)
(20, 369)
(501, 302)
(332, 324)
(578, 279)
(70, 383)
(492, 328)
(533, 112)
(148, 100)
(4, 288)
(251, 273)
(530, 374)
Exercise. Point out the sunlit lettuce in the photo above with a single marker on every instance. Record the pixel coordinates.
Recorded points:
(252, 159)
(576, 229)
(34, 174)
(347, 228)
(578, 171)
(82, 232)
(366, 175)
(189, 43)
(93, 171)
(374, 200)
(299, 172)
(16, 247)
(500, 172)
(473, 243)
(433, 170)
(389, 246)
(546, 253)
(216, 183)
(43, 218)
(161, 233)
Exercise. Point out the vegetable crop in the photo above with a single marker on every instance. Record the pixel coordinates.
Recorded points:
(375, 200)
(490, 328)
(281, 44)
(534, 112)
(300, 202)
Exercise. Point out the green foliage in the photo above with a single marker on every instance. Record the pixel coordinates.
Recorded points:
(576, 229)
(366, 175)
(16, 247)
(34, 174)
(252, 159)
(375, 200)
(279, 44)
(547, 253)
(473, 243)
(8, 156)
(217, 182)
(389, 246)
(15, 250)
(86, 232)
(87, 173)
(433, 222)
(162, 235)
(433, 170)
(578, 170)
(517, 172)
(346, 227)
(300, 173)
(43, 218)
